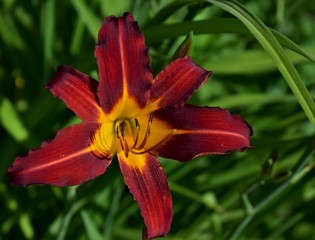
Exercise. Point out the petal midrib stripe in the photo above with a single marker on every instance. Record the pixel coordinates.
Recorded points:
(210, 132)
(63, 159)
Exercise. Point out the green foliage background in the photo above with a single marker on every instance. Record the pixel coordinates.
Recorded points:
(267, 193)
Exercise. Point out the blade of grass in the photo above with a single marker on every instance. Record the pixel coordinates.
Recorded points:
(249, 62)
(299, 171)
(212, 26)
(68, 217)
(11, 121)
(91, 21)
(286, 42)
(249, 99)
(109, 224)
(90, 227)
(114, 7)
(169, 10)
(47, 30)
(26, 226)
(289, 223)
(77, 37)
(276, 52)
(9, 33)
(218, 25)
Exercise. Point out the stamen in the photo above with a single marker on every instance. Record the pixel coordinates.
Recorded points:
(145, 139)
(137, 133)
(121, 132)
(122, 129)
(120, 138)
(126, 151)
(151, 148)
(140, 149)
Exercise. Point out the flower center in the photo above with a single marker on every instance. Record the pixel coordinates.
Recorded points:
(128, 135)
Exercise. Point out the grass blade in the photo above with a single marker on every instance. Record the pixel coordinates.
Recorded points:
(90, 227)
(11, 121)
(250, 62)
(204, 26)
(47, 28)
(91, 21)
(276, 52)
(218, 25)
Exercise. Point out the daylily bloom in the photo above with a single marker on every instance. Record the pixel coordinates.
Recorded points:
(130, 114)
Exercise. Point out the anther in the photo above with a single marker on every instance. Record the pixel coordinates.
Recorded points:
(137, 134)
(150, 122)
(147, 134)
(123, 128)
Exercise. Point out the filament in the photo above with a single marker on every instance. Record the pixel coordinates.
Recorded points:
(137, 147)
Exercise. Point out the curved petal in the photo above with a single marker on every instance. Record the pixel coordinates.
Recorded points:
(195, 131)
(176, 83)
(66, 160)
(148, 184)
(124, 67)
(78, 91)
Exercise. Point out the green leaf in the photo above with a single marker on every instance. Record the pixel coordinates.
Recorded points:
(8, 31)
(214, 26)
(286, 42)
(292, 184)
(116, 8)
(110, 221)
(218, 25)
(276, 52)
(255, 61)
(26, 226)
(77, 37)
(11, 121)
(184, 48)
(91, 21)
(47, 29)
(90, 227)
(169, 9)
(68, 217)
(249, 99)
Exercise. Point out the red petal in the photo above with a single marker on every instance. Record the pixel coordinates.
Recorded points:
(78, 91)
(148, 184)
(199, 131)
(177, 82)
(123, 63)
(66, 160)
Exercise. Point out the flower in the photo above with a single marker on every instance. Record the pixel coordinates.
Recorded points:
(130, 114)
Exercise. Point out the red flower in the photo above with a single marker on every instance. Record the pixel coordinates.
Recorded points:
(129, 113)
